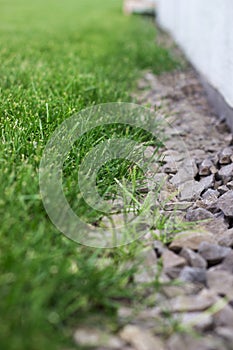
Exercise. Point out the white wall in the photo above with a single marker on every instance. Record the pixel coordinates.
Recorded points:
(204, 29)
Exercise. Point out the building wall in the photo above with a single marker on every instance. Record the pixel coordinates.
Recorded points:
(204, 30)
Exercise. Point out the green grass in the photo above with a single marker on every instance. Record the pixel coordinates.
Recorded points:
(56, 59)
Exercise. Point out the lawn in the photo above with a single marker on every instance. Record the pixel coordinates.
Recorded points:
(56, 59)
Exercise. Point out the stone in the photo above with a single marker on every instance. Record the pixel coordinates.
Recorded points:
(170, 168)
(226, 173)
(207, 181)
(181, 177)
(223, 189)
(159, 248)
(191, 240)
(225, 333)
(224, 317)
(204, 168)
(193, 274)
(227, 263)
(171, 260)
(141, 339)
(213, 253)
(189, 342)
(230, 185)
(193, 259)
(225, 203)
(211, 195)
(92, 337)
(226, 240)
(192, 303)
(198, 214)
(148, 266)
(191, 190)
(200, 321)
(177, 205)
(225, 155)
(221, 282)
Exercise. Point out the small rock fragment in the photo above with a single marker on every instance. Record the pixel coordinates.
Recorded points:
(226, 173)
(97, 338)
(204, 169)
(198, 214)
(194, 259)
(226, 240)
(207, 181)
(225, 203)
(213, 253)
(193, 274)
(193, 303)
(225, 156)
(191, 190)
(220, 282)
(191, 240)
(171, 260)
(223, 189)
(141, 339)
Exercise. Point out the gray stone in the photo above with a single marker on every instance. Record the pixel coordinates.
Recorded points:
(200, 321)
(230, 185)
(224, 317)
(193, 274)
(225, 155)
(198, 214)
(213, 253)
(226, 240)
(207, 181)
(220, 282)
(191, 240)
(194, 259)
(189, 342)
(211, 195)
(225, 333)
(204, 169)
(223, 189)
(227, 263)
(171, 260)
(159, 248)
(225, 203)
(193, 303)
(226, 173)
(191, 190)
(178, 205)
(181, 177)
(89, 337)
(141, 339)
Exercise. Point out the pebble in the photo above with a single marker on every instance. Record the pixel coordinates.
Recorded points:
(226, 240)
(194, 259)
(89, 337)
(172, 260)
(213, 253)
(198, 214)
(207, 182)
(141, 339)
(225, 155)
(220, 282)
(191, 190)
(223, 189)
(193, 274)
(226, 173)
(225, 203)
(205, 167)
(191, 240)
(193, 303)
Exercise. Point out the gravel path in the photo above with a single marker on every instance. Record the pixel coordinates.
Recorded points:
(197, 312)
